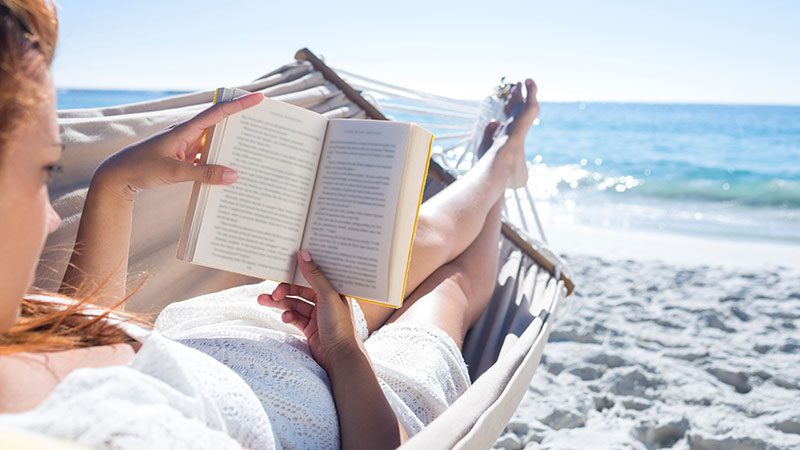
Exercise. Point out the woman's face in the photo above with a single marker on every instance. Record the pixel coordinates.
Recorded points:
(26, 216)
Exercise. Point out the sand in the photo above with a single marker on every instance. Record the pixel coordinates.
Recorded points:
(669, 342)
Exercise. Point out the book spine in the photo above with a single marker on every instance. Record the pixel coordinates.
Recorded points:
(187, 241)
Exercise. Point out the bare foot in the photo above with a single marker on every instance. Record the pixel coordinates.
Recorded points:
(510, 140)
(522, 113)
(488, 137)
(511, 108)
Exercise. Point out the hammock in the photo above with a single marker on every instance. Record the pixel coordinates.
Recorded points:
(502, 350)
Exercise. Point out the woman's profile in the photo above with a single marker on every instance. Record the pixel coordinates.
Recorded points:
(353, 375)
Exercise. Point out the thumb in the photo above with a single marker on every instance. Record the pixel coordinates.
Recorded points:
(313, 274)
(209, 173)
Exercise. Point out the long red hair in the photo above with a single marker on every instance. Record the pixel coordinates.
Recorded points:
(28, 33)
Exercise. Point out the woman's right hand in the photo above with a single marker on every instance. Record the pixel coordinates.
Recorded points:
(320, 313)
(168, 157)
(366, 420)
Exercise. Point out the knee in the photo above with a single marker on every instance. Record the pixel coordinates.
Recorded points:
(431, 230)
(427, 222)
(466, 284)
(477, 285)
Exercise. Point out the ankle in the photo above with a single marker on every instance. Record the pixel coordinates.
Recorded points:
(506, 155)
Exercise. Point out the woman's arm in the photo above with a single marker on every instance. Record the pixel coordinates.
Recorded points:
(366, 420)
(99, 262)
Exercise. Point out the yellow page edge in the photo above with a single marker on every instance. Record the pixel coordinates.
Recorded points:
(416, 219)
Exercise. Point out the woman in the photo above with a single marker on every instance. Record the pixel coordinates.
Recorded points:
(71, 369)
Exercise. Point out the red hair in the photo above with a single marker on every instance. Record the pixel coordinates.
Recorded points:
(28, 33)
(49, 326)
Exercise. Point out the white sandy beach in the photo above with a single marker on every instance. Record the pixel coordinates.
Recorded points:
(668, 342)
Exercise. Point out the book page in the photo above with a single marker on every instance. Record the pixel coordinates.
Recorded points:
(255, 226)
(351, 217)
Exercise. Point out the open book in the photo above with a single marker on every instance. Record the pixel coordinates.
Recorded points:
(347, 190)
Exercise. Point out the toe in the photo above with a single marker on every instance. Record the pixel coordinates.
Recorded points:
(488, 137)
(531, 103)
(531, 87)
(514, 100)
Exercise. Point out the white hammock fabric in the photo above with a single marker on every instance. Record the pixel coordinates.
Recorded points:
(531, 282)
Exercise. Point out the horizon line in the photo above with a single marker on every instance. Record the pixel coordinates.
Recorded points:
(576, 101)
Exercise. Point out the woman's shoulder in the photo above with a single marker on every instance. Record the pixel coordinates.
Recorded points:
(166, 393)
(42, 372)
(118, 405)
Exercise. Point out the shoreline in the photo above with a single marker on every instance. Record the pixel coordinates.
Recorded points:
(670, 248)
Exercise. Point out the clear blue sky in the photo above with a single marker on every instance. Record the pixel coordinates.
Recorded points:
(619, 50)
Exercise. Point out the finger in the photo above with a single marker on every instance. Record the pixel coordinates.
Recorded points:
(204, 173)
(281, 291)
(213, 115)
(315, 277)
(286, 304)
(312, 328)
(298, 320)
(285, 289)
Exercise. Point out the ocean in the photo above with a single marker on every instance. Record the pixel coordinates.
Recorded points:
(727, 171)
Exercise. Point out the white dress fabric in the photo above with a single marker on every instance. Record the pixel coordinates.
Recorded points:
(419, 367)
(168, 396)
(263, 391)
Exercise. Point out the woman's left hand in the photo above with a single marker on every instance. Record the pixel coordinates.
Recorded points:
(168, 157)
(324, 317)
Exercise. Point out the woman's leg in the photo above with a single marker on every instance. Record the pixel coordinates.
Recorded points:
(455, 295)
(452, 219)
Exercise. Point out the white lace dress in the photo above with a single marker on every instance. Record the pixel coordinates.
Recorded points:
(267, 392)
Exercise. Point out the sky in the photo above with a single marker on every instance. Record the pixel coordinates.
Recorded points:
(675, 51)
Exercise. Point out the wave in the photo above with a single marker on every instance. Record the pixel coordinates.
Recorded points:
(573, 179)
(771, 193)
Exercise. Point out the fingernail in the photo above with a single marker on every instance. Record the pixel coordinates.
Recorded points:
(305, 255)
(229, 176)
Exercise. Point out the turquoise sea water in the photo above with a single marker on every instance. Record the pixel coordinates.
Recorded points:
(716, 170)
(92, 98)
(720, 170)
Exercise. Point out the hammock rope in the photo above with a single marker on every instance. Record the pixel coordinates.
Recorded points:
(372, 85)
